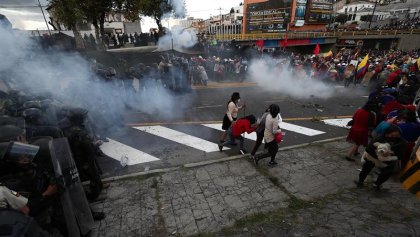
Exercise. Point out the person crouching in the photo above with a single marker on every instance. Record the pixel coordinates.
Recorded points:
(247, 124)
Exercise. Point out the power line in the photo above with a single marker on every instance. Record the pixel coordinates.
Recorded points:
(20, 6)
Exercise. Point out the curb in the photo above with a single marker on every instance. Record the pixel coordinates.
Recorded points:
(203, 163)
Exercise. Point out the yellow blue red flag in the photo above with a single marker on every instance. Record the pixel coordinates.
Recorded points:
(362, 67)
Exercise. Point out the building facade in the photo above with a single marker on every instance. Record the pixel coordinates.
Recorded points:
(272, 16)
(230, 23)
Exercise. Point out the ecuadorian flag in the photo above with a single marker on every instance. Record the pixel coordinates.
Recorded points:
(362, 67)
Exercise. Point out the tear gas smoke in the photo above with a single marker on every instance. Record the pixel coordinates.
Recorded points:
(179, 7)
(70, 78)
(180, 37)
(274, 75)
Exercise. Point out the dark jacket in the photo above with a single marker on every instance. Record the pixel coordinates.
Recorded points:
(397, 147)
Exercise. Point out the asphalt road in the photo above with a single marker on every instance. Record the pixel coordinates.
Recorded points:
(175, 133)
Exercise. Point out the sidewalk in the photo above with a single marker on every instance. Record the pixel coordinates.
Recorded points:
(310, 193)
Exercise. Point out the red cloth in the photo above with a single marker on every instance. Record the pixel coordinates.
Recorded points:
(390, 106)
(359, 132)
(392, 77)
(410, 107)
(317, 49)
(259, 43)
(241, 126)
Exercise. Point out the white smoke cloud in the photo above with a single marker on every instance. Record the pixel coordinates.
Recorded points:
(179, 38)
(273, 76)
(70, 78)
(178, 7)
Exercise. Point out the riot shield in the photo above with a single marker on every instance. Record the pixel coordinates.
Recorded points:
(76, 207)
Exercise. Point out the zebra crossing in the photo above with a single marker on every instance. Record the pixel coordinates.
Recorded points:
(134, 155)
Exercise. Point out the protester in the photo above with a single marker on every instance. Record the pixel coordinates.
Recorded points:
(260, 132)
(247, 124)
(392, 136)
(270, 131)
(363, 122)
(231, 114)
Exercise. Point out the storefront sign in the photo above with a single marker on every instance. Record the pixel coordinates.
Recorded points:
(300, 10)
(268, 17)
(319, 12)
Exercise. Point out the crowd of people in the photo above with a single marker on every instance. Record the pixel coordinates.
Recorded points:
(404, 24)
(387, 125)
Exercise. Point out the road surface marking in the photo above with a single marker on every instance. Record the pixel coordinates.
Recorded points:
(218, 126)
(207, 106)
(300, 129)
(218, 121)
(117, 150)
(181, 138)
(338, 122)
(283, 125)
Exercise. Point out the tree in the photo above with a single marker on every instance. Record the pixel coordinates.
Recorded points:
(94, 11)
(68, 13)
(155, 9)
(232, 11)
(342, 18)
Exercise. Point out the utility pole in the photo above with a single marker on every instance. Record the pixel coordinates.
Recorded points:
(220, 16)
(42, 10)
(373, 13)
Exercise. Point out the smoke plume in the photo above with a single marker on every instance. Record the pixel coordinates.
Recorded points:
(69, 77)
(276, 76)
(178, 38)
(178, 7)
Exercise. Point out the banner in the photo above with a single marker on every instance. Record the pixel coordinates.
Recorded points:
(268, 17)
(300, 12)
(319, 11)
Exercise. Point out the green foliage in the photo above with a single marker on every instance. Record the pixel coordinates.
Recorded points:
(155, 9)
(67, 12)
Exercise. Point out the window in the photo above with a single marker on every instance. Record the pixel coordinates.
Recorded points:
(350, 9)
(355, 9)
(354, 17)
(237, 11)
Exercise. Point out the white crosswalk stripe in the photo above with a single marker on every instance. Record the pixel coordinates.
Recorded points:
(299, 129)
(337, 122)
(181, 138)
(117, 150)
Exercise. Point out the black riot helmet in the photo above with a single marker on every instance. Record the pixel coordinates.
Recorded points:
(17, 152)
(10, 133)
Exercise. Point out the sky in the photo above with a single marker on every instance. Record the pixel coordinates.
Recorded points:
(30, 18)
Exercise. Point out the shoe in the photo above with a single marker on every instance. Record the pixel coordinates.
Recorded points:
(376, 187)
(359, 184)
(272, 163)
(350, 159)
(220, 147)
(255, 159)
(243, 152)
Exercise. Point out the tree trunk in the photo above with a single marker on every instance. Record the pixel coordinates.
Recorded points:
(159, 24)
(101, 23)
(96, 26)
(78, 38)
